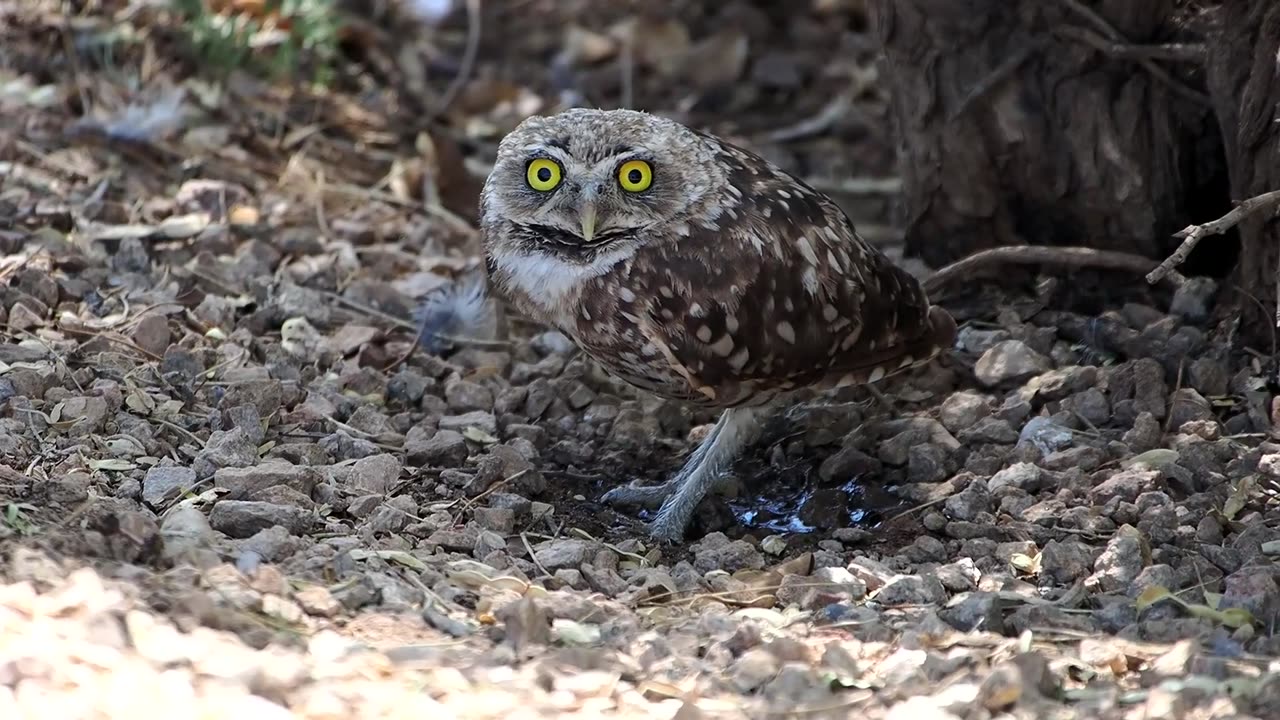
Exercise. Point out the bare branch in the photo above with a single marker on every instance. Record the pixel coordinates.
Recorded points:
(1192, 234)
(1076, 257)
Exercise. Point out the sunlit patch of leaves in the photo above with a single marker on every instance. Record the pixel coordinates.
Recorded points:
(278, 41)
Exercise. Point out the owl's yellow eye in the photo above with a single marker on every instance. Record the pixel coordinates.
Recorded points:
(635, 175)
(543, 175)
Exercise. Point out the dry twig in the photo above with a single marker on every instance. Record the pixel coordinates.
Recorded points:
(1076, 257)
(1192, 234)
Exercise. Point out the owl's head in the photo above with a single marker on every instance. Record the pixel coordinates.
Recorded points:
(588, 179)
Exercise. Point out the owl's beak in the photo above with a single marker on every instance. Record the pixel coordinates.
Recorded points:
(587, 214)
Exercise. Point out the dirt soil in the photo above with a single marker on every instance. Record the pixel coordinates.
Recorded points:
(224, 494)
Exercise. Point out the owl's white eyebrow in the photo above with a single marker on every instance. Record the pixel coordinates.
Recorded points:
(534, 151)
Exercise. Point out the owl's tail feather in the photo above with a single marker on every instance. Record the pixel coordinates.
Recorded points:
(457, 311)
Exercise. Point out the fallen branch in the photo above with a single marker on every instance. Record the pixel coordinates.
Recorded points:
(1075, 257)
(1193, 233)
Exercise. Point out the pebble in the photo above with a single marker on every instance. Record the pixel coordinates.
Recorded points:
(1009, 361)
(716, 552)
(249, 481)
(963, 410)
(912, 590)
(556, 554)
(1045, 435)
(375, 474)
(477, 419)
(1063, 562)
(243, 518)
(1120, 563)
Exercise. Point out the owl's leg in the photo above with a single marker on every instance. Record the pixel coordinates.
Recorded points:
(652, 496)
(735, 428)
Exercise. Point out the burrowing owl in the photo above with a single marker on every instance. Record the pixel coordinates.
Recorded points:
(695, 270)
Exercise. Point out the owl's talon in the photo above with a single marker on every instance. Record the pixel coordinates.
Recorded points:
(645, 496)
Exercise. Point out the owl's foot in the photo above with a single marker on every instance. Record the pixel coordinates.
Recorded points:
(645, 496)
(679, 496)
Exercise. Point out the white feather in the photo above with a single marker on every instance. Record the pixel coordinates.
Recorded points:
(549, 281)
(460, 309)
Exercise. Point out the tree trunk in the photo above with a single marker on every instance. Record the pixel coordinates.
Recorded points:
(1035, 122)
(1244, 81)
(1014, 128)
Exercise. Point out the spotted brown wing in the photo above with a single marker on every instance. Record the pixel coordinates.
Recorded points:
(777, 293)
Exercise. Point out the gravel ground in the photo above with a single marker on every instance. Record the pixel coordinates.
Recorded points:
(222, 495)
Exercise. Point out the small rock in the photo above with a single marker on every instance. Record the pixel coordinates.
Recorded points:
(1186, 405)
(926, 548)
(963, 410)
(272, 544)
(1125, 484)
(1209, 376)
(1009, 361)
(1065, 562)
(249, 482)
(1092, 405)
(184, 530)
(392, 514)
(605, 580)
(243, 518)
(1153, 575)
(69, 489)
(89, 414)
(498, 519)
(341, 446)
(163, 483)
(975, 611)
(926, 464)
(526, 623)
(1145, 434)
(728, 556)
(465, 396)
(1023, 476)
(959, 576)
(1120, 562)
(1045, 435)
(518, 504)
(1192, 299)
(846, 464)
(1149, 388)
(839, 579)
(753, 669)
(478, 419)
(1008, 682)
(912, 590)
(969, 503)
(556, 554)
(151, 333)
(442, 448)
(875, 574)
(375, 474)
(989, 430)
(1255, 589)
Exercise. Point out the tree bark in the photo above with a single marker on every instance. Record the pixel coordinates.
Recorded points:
(1244, 80)
(1015, 128)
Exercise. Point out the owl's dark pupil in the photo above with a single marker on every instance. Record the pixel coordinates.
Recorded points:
(544, 174)
(635, 176)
